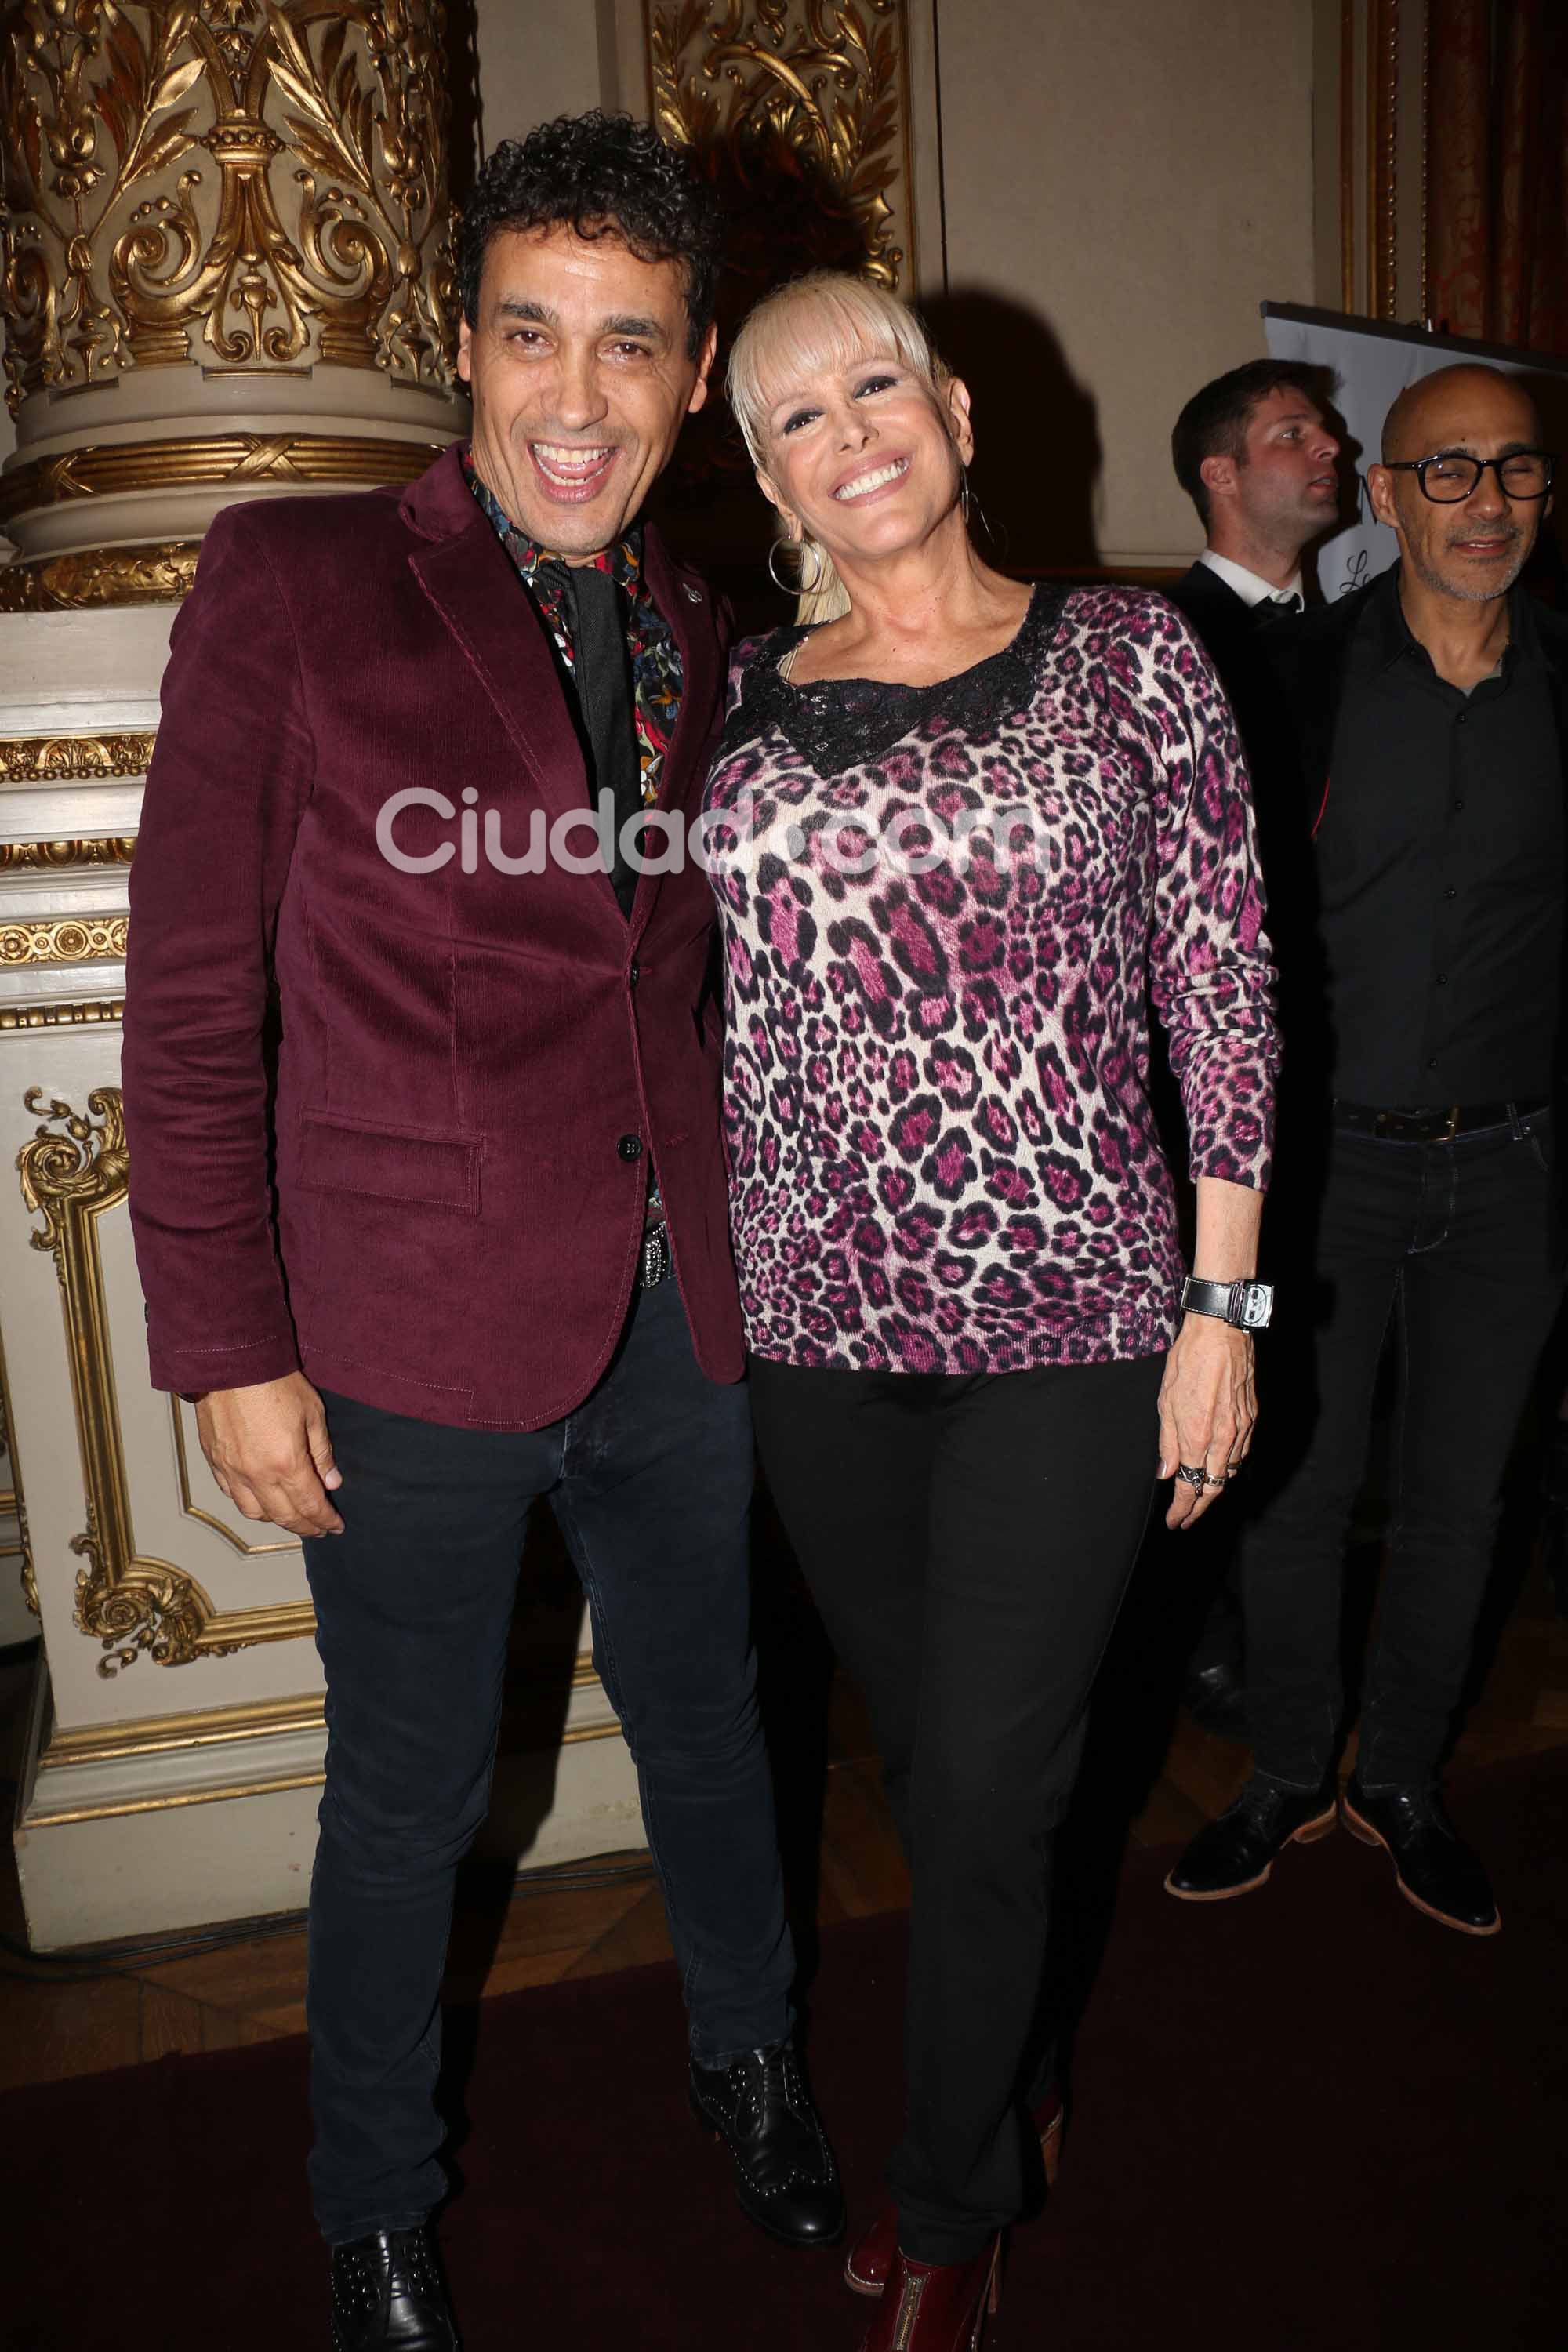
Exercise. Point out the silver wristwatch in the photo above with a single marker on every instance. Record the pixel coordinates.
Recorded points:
(1245, 1306)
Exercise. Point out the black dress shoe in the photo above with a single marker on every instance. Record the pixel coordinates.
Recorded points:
(1237, 1852)
(1216, 1697)
(387, 2290)
(1434, 1870)
(786, 2177)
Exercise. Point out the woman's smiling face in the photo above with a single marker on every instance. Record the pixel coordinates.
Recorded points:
(863, 454)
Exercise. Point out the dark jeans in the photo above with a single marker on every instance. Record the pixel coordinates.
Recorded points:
(1460, 1245)
(650, 1480)
(968, 1541)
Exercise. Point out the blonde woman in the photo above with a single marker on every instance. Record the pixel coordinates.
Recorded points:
(954, 826)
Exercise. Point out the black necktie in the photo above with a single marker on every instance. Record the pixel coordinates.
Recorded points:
(603, 681)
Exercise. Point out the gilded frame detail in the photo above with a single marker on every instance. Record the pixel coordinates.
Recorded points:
(73, 759)
(73, 1173)
(65, 938)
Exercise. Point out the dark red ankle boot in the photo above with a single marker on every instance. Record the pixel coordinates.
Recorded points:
(870, 2257)
(935, 2306)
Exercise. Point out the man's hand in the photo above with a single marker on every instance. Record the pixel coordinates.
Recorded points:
(1207, 1407)
(268, 1450)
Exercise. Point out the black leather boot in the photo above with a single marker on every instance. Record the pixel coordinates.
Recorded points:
(1237, 1852)
(387, 2290)
(786, 2177)
(1434, 1871)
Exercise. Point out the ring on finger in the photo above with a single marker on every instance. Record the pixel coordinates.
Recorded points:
(1192, 1475)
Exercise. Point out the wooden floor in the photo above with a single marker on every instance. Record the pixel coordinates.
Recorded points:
(62, 2020)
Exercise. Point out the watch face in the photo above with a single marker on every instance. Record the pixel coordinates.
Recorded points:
(1257, 1306)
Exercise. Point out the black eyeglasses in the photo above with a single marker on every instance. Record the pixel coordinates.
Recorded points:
(1449, 479)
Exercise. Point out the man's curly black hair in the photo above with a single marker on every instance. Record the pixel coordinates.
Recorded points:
(605, 175)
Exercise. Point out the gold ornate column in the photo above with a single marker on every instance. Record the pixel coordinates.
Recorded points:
(226, 272)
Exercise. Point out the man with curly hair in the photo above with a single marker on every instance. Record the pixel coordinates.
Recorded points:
(463, 1243)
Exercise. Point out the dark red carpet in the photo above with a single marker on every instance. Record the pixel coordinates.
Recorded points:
(1308, 2119)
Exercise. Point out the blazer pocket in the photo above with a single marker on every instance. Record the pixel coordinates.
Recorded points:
(385, 1163)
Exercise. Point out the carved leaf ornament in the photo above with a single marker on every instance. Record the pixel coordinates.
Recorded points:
(309, 220)
(811, 93)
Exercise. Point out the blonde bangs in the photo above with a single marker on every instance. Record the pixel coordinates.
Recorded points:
(816, 325)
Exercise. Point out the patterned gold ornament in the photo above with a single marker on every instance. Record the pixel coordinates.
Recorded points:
(238, 185)
(810, 97)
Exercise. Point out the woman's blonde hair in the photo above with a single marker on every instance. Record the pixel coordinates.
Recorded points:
(822, 322)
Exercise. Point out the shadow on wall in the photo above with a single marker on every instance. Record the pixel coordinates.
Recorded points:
(1037, 455)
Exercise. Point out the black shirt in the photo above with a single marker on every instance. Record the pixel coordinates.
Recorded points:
(1440, 867)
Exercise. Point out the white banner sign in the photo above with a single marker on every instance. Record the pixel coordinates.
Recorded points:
(1373, 363)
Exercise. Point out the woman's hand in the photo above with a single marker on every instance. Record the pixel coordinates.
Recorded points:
(1208, 1404)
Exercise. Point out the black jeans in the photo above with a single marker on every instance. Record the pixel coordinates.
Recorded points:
(968, 1542)
(1460, 1245)
(650, 1480)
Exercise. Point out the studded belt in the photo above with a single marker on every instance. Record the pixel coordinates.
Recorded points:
(1435, 1126)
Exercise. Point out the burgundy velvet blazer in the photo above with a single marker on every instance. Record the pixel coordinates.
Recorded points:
(439, 1209)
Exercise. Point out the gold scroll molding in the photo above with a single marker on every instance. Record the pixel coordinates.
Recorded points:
(73, 1173)
(65, 857)
(62, 758)
(787, 91)
(65, 938)
(210, 461)
(159, 572)
(237, 184)
(86, 1013)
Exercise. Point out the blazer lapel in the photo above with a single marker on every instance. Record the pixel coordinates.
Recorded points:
(472, 586)
(465, 573)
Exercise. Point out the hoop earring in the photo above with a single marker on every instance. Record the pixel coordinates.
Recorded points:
(970, 508)
(801, 587)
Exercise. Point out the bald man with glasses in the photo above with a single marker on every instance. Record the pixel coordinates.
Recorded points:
(1430, 712)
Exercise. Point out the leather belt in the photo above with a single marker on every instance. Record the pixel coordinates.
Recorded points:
(1437, 1126)
(657, 1259)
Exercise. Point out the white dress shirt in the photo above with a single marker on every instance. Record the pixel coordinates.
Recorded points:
(1249, 587)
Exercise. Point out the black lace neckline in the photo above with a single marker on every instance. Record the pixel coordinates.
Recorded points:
(835, 723)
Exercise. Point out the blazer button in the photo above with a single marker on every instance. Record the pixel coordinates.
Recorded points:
(630, 1147)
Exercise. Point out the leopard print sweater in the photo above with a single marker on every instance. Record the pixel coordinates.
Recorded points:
(945, 911)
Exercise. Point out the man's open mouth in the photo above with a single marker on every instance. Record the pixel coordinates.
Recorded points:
(573, 474)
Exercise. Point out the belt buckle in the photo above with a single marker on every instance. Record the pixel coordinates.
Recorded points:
(1452, 1128)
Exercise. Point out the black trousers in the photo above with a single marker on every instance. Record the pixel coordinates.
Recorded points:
(968, 1542)
(1459, 1244)
(650, 1479)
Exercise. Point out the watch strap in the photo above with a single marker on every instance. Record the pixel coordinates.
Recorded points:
(1245, 1306)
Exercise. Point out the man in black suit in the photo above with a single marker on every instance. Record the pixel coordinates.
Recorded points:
(1430, 712)
(1254, 455)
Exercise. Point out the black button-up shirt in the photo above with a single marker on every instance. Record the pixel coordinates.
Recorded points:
(1440, 861)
